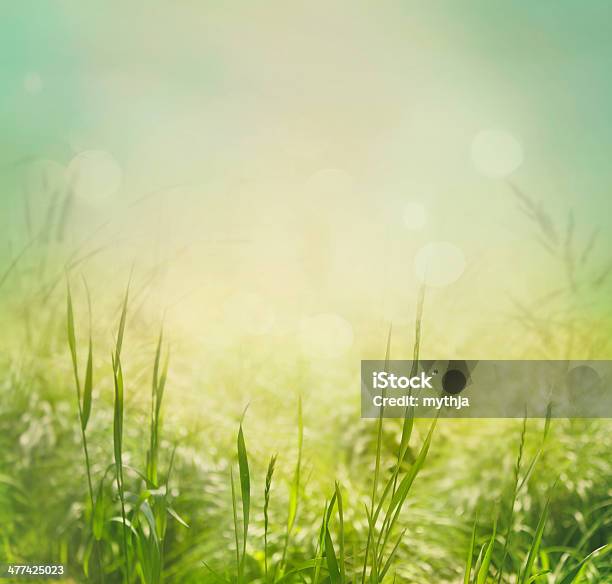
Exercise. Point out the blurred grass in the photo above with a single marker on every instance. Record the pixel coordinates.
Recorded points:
(172, 480)
(45, 495)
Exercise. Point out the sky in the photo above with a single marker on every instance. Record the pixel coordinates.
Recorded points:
(304, 166)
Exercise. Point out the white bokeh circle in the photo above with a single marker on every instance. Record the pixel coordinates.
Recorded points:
(95, 175)
(439, 263)
(496, 153)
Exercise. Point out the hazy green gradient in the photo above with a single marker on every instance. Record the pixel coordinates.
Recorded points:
(270, 150)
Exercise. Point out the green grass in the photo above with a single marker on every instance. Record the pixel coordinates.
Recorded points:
(135, 492)
(144, 521)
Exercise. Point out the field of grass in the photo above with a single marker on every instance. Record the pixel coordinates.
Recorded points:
(212, 212)
(125, 461)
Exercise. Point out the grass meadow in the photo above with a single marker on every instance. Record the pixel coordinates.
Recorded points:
(128, 457)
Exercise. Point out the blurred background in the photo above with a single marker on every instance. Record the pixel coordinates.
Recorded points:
(280, 179)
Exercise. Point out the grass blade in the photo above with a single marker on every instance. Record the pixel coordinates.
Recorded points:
(161, 387)
(245, 489)
(374, 566)
(295, 486)
(380, 425)
(84, 409)
(88, 386)
(118, 449)
(235, 513)
(172, 512)
(118, 414)
(72, 343)
(157, 393)
(267, 490)
(321, 551)
(331, 559)
(88, 383)
(409, 414)
(535, 459)
(479, 561)
(121, 331)
(379, 429)
(98, 517)
(341, 529)
(515, 490)
(294, 490)
(303, 567)
(406, 483)
(392, 555)
(398, 499)
(470, 556)
(537, 540)
(577, 574)
(486, 558)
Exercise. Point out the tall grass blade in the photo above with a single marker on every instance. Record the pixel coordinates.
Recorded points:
(379, 431)
(409, 414)
(84, 409)
(157, 394)
(323, 536)
(470, 556)
(389, 561)
(295, 485)
(152, 453)
(88, 383)
(118, 452)
(72, 343)
(535, 544)
(479, 562)
(235, 514)
(161, 387)
(331, 559)
(88, 386)
(149, 547)
(341, 530)
(540, 450)
(515, 490)
(403, 489)
(245, 489)
(372, 552)
(406, 483)
(380, 424)
(118, 414)
(483, 571)
(294, 491)
(98, 516)
(267, 490)
(122, 320)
